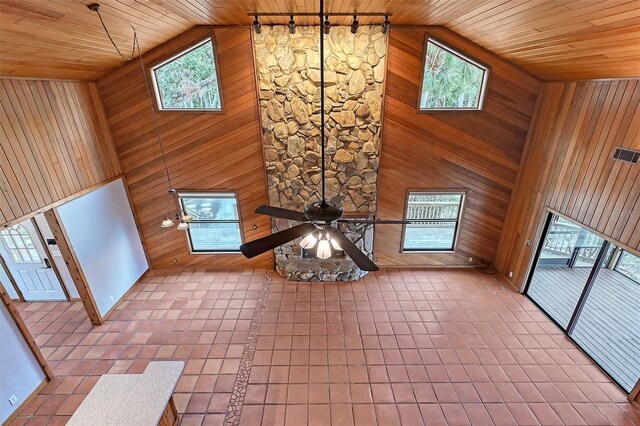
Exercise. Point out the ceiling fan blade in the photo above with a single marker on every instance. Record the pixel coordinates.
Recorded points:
(377, 221)
(282, 213)
(360, 259)
(264, 244)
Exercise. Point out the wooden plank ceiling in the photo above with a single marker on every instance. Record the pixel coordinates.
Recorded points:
(555, 40)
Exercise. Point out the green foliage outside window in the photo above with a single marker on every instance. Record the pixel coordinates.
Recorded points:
(190, 81)
(450, 82)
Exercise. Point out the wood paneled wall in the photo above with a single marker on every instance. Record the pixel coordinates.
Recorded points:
(204, 150)
(54, 143)
(568, 167)
(477, 151)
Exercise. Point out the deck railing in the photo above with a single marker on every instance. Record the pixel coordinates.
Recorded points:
(562, 239)
(425, 210)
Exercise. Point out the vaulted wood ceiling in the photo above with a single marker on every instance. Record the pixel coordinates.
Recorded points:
(555, 40)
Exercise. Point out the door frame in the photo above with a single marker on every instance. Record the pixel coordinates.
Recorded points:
(598, 265)
(49, 256)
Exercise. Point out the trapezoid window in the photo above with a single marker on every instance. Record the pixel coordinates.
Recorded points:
(451, 81)
(189, 80)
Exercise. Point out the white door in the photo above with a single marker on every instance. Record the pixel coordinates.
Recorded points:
(26, 259)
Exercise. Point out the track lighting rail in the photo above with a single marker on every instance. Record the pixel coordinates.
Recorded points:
(253, 14)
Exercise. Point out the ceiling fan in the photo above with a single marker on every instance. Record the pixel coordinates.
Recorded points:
(319, 219)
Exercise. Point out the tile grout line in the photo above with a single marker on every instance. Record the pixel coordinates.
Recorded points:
(234, 409)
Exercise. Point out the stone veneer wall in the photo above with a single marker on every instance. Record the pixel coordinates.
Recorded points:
(289, 79)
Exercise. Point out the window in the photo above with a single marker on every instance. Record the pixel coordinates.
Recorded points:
(629, 266)
(189, 80)
(215, 224)
(441, 214)
(451, 81)
(19, 245)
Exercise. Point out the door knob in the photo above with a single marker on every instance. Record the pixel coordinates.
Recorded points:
(47, 264)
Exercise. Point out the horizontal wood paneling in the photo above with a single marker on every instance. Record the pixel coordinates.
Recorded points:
(54, 143)
(559, 39)
(568, 167)
(478, 151)
(204, 150)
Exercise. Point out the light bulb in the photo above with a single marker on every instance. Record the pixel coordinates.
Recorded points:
(183, 226)
(167, 223)
(335, 244)
(309, 241)
(324, 249)
(186, 217)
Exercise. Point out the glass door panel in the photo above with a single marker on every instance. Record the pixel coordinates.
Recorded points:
(569, 245)
(566, 258)
(608, 325)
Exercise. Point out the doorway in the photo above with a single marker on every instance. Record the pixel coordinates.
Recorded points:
(590, 288)
(29, 264)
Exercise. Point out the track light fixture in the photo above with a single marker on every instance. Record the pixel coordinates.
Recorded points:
(326, 25)
(354, 25)
(257, 26)
(292, 25)
(386, 25)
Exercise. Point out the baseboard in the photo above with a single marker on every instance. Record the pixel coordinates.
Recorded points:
(124, 296)
(24, 403)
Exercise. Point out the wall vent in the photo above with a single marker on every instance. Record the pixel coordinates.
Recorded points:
(627, 155)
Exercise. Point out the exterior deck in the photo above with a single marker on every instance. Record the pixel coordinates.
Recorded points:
(608, 327)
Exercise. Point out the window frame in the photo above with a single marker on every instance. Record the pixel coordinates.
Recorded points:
(547, 216)
(211, 194)
(179, 53)
(618, 259)
(456, 232)
(462, 56)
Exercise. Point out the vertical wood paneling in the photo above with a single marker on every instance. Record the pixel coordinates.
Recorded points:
(568, 167)
(205, 151)
(54, 143)
(478, 151)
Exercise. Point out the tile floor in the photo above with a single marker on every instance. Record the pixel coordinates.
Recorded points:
(403, 347)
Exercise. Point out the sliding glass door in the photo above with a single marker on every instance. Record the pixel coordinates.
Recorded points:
(566, 258)
(591, 289)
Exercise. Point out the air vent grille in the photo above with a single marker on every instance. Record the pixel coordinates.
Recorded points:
(627, 155)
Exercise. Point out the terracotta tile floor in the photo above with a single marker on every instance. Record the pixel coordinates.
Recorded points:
(398, 347)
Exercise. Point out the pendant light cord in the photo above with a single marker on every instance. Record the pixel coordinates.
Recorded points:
(135, 37)
(324, 202)
(136, 47)
(153, 113)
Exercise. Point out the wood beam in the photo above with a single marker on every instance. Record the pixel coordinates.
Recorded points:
(70, 258)
(13, 311)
